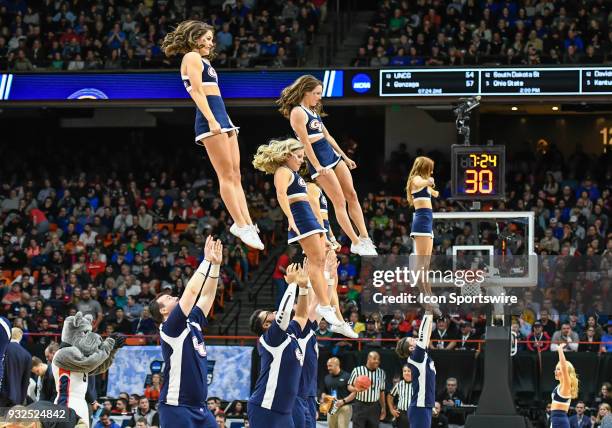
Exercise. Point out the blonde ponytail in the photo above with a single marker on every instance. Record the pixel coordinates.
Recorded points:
(271, 156)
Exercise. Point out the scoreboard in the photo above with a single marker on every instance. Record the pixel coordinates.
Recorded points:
(495, 81)
(478, 172)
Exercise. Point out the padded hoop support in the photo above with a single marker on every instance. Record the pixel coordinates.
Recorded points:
(496, 406)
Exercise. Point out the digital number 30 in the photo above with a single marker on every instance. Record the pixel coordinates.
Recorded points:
(478, 181)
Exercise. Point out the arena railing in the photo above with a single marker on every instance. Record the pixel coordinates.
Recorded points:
(244, 339)
(234, 321)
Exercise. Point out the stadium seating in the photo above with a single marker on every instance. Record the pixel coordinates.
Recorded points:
(74, 37)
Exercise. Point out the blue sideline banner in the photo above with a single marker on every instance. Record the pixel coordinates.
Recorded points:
(229, 370)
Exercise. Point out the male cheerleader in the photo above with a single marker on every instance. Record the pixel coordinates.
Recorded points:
(423, 374)
(182, 400)
(274, 397)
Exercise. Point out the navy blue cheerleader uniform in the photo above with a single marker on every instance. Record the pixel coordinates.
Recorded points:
(305, 409)
(5, 339)
(274, 396)
(182, 399)
(558, 418)
(303, 216)
(422, 219)
(423, 388)
(324, 210)
(326, 155)
(215, 102)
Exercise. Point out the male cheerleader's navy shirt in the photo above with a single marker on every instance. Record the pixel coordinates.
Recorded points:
(310, 349)
(281, 368)
(184, 352)
(423, 378)
(5, 338)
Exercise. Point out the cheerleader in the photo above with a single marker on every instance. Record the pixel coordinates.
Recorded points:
(281, 357)
(319, 202)
(329, 166)
(423, 371)
(419, 190)
(283, 159)
(213, 127)
(564, 392)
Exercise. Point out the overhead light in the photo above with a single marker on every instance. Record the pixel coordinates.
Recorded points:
(514, 108)
(555, 108)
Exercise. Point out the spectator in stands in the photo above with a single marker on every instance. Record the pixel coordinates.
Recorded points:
(347, 272)
(142, 423)
(323, 331)
(603, 419)
(220, 419)
(565, 335)
(121, 323)
(440, 334)
(580, 420)
(133, 401)
(605, 394)
(372, 333)
(607, 338)
(465, 336)
(235, 410)
(105, 421)
(213, 405)
(438, 420)
(538, 340)
(451, 396)
(121, 407)
(144, 411)
(152, 391)
(589, 336)
(278, 276)
(88, 306)
(397, 327)
(549, 326)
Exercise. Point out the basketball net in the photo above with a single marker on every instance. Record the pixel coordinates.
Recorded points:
(471, 287)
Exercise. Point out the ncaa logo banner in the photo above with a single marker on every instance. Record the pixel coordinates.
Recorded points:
(228, 377)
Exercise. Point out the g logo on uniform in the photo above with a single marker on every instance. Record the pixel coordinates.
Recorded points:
(316, 125)
(212, 73)
(301, 182)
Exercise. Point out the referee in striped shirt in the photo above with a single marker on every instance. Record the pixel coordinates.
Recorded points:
(369, 406)
(403, 392)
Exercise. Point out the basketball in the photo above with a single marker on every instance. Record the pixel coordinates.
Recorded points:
(362, 383)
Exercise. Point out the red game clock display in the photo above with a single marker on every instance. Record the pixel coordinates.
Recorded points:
(478, 172)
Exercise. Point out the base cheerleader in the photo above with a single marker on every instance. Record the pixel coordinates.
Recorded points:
(423, 371)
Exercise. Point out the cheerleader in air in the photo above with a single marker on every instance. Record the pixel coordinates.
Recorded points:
(213, 127)
(319, 202)
(419, 190)
(563, 393)
(328, 164)
(423, 370)
(283, 158)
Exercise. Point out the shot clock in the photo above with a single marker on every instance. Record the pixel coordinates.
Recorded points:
(478, 172)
